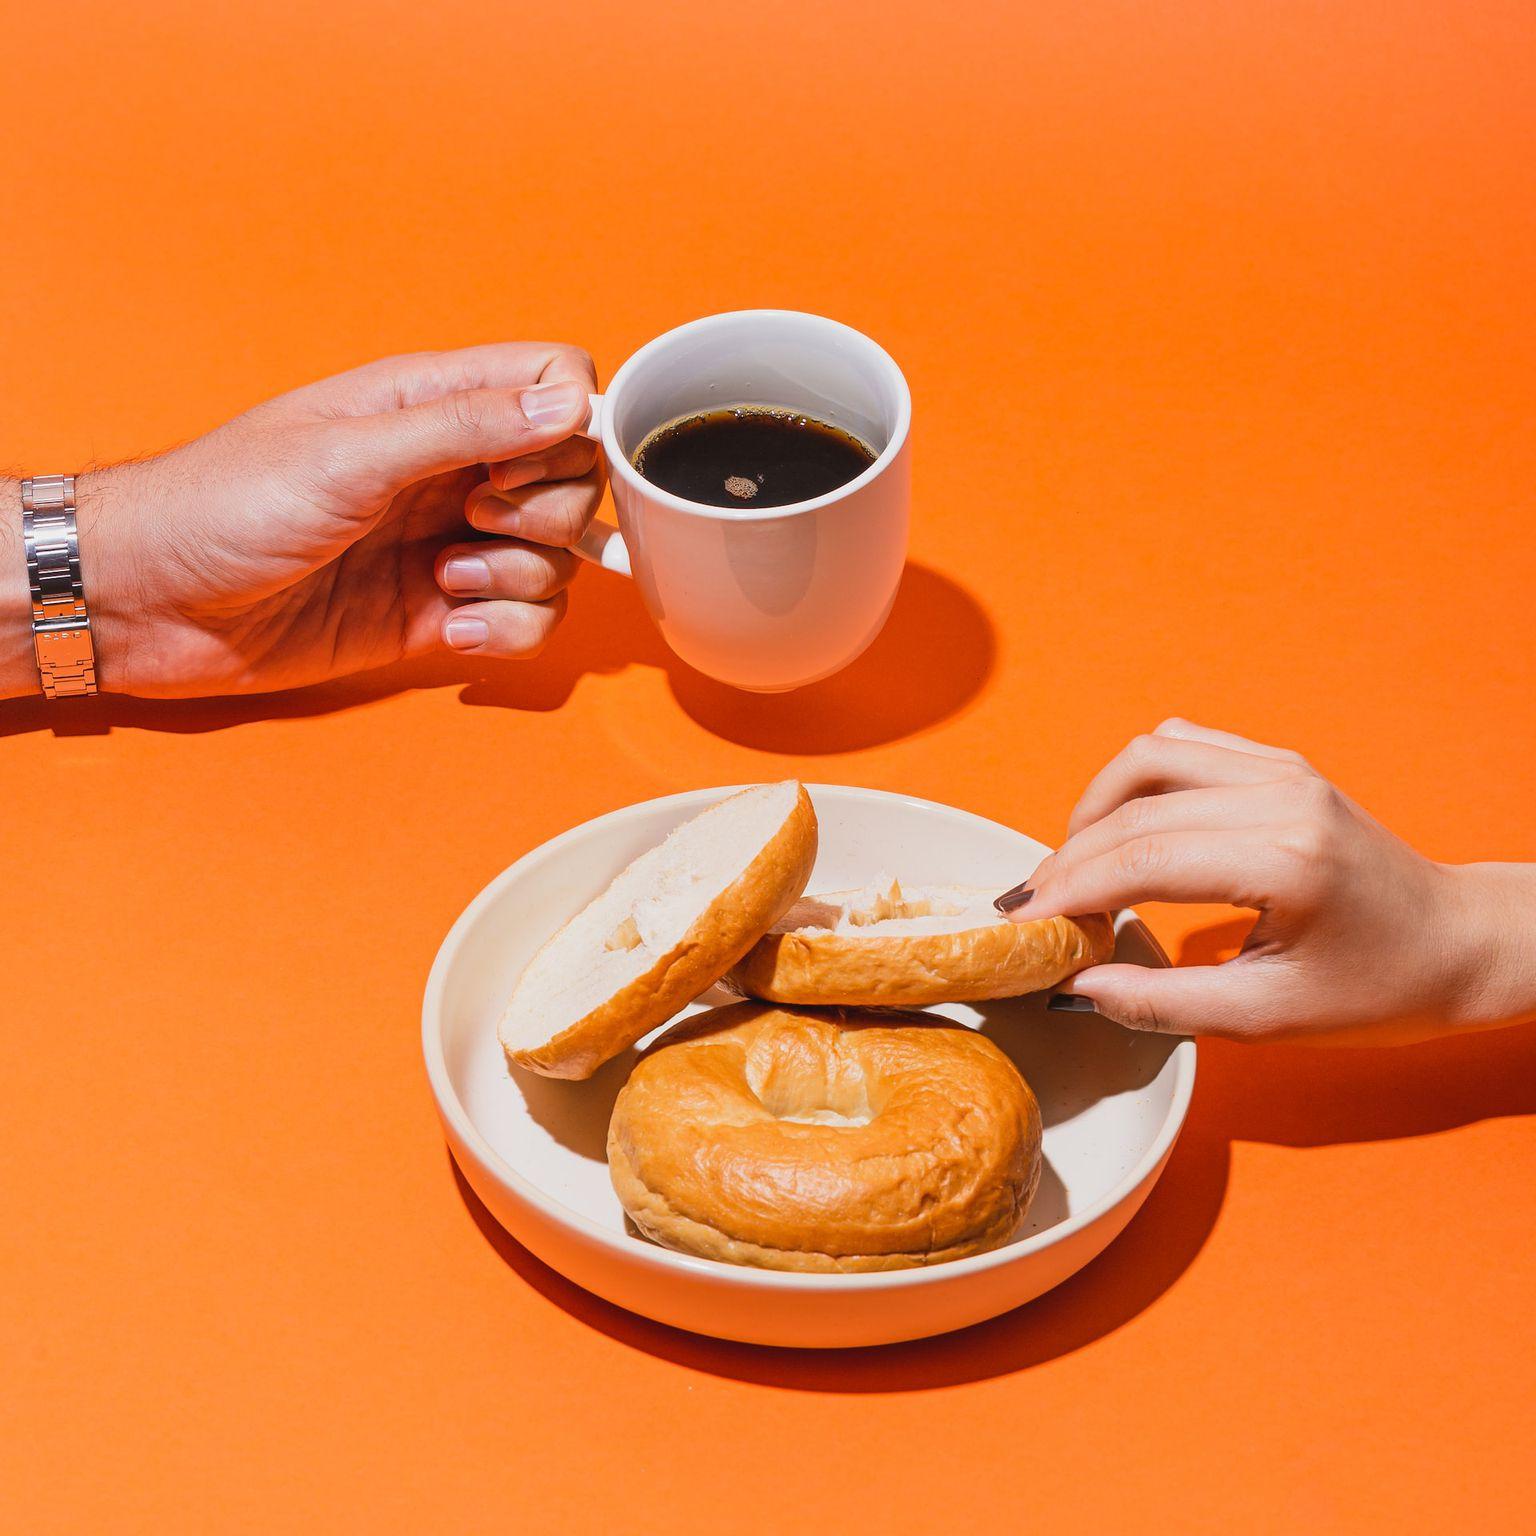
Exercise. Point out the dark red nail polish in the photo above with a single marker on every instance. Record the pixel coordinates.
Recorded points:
(1011, 901)
(1069, 1002)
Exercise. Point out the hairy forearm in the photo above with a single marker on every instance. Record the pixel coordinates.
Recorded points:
(18, 673)
(108, 564)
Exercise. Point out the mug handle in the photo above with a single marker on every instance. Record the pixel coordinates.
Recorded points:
(602, 543)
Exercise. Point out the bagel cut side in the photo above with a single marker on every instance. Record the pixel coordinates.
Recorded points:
(667, 929)
(838, 1140)
(894, 946)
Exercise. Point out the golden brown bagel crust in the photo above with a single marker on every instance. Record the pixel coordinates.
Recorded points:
(704, 1160)
(817, 965)
(723, 932)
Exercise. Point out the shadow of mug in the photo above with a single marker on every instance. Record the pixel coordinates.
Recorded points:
(933, 657)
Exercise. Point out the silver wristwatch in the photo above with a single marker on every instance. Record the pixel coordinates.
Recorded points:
(61, 626)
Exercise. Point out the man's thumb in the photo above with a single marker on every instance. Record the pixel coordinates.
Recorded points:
(468, 426)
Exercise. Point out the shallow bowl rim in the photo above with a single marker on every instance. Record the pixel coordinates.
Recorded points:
(664, 1260)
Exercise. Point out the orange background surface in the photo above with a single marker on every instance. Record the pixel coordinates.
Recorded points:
(1219, 321)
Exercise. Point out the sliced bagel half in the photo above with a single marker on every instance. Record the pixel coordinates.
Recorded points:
(909, 947)
(668, 928)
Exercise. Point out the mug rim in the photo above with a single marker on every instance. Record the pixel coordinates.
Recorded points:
(618, 460)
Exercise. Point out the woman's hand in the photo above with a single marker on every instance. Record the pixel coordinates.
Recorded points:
(324, 532)
(1359, 939)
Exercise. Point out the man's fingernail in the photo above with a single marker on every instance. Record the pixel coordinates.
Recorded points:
(546, 405)
(491, 512)
(517, 472)
(1069, 1002)
(1011, 901)
(465, 574)
(465, 633)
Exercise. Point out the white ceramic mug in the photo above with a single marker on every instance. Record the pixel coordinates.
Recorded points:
(772, 599)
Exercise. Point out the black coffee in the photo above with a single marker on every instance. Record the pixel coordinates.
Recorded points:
(750, 456)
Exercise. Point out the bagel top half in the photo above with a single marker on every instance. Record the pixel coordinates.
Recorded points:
(890, 945)
(665, 930)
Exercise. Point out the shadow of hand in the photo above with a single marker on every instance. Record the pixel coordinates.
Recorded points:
(932, 658)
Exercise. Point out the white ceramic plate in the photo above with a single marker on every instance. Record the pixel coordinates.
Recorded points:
(532, 1148)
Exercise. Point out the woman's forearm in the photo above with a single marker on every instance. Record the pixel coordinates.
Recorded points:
(1495, 935)
(1359, 940)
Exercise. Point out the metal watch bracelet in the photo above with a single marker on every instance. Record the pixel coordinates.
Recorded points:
(61, 624)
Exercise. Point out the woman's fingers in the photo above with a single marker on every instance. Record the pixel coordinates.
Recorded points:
(1234, 1000)
(1155, 764)
(503, 629)
(550, 512)
(1189, 731)
(1241, 868)
(505, 568)
(1228, 808)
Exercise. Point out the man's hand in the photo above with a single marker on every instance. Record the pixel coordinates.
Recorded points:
(324, 532)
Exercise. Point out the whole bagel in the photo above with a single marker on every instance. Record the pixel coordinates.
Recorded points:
(833, 1140)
